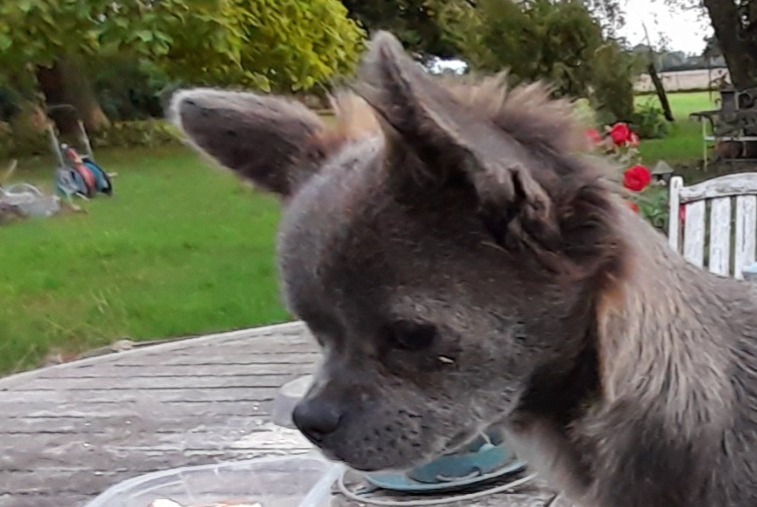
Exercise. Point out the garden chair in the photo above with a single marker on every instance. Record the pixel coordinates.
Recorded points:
(714, 223)
(735, 123)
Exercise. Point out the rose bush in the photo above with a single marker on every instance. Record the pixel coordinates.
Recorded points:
(637, 178)
(620, 134)
(620, 143)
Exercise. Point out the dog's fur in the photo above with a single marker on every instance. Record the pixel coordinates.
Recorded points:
(465, 263)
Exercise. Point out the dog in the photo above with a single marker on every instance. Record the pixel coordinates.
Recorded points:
(466, 263)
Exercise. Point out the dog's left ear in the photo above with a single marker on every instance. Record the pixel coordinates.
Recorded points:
(422, 116)
(274, 143)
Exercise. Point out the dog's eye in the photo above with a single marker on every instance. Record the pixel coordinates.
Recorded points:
(411, 336)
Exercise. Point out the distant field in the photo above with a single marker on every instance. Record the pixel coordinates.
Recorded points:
(682, 81)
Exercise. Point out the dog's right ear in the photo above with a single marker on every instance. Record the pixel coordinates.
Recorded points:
(274, 143)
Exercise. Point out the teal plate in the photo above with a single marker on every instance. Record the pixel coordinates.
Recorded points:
(404, 483)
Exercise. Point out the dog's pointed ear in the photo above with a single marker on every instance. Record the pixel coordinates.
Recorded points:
(422, 116)
(274, 143)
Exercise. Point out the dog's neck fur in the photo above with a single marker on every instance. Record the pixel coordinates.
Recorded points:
(664, 405)
(656, 326)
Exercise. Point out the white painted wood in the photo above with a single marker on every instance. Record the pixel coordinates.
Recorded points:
(746, 233)
(731, 185)
(674, 206)
(693, 233)
(728, 255)
(720, 236)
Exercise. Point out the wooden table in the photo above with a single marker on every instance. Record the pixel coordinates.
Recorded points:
(69, 432)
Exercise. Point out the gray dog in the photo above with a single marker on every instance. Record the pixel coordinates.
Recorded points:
(464, 263)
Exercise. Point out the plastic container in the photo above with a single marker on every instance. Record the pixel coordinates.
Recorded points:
(292, 481)
(750, 272)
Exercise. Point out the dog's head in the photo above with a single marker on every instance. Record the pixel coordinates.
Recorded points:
(445, 244)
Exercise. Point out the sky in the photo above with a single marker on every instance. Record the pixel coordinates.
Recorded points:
(684, 29)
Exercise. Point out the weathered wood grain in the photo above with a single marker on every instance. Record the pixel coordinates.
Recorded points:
(746, 233)
(720, 236)
(729, 251)
(674, 211)
(693, 233)
(731, 185)
(71, 431)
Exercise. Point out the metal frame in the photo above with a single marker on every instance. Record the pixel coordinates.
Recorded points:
(82, 135)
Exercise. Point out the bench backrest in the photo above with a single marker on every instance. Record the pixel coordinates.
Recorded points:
(714, 223)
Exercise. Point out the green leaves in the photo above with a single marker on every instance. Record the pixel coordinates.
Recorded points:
(5, 42)
(266, 44)
(561, 42)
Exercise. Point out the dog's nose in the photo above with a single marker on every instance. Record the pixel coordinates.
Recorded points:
(316, 418)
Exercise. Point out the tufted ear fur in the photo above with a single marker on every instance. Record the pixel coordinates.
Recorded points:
(275, 143)
(452, 139)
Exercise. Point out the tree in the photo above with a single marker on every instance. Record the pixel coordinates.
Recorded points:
(735, 25)
(282, 44)
(419, 24)
(560, 42)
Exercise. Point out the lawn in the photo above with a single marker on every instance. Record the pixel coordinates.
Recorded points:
(684, 141)
(179, 250)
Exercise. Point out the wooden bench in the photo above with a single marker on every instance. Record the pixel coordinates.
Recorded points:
(719, 229)
(734, 122)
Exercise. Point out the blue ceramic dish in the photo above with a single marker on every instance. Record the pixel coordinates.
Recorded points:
(480, 462)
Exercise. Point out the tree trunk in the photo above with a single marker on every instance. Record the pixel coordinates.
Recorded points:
(739, 51)
(50, 81)
(66, 82)
(660, 89)
(81, 95)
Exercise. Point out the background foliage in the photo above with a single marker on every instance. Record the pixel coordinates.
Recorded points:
(119, 61)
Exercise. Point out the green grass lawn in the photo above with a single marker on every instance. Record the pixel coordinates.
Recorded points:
(179, 250)
(684, 141)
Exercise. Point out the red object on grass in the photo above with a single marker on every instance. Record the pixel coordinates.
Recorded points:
(637, 178)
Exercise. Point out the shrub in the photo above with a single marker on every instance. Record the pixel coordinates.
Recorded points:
(30, 143)
(133, 134)
(654, 207)
(649, 121)
(613, 72)
(5, 140)
(620, 144)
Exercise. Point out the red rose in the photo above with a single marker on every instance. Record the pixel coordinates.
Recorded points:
(594, 136)
(620, 134)
(634, 207)
(637, 178)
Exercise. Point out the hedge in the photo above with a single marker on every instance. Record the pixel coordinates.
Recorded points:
(132, 134)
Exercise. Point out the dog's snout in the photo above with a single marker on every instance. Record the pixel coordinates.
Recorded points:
(316, 418)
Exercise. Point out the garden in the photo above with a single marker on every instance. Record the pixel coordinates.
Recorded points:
(178, 250)
(181, 250)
